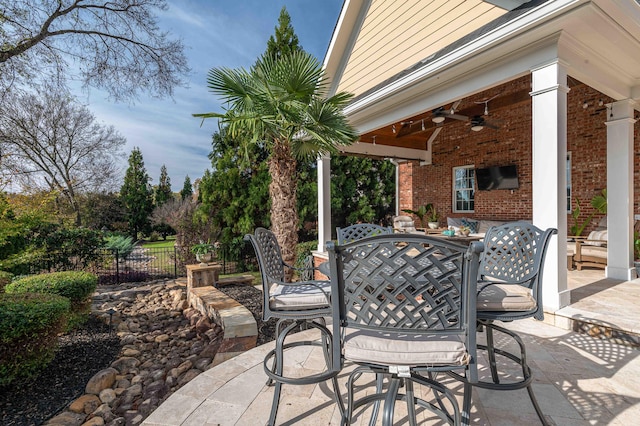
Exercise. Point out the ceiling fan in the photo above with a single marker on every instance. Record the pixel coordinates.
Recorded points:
(440, 114)
(479, 122)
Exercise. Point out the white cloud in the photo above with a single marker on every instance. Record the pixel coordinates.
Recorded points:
(216, 34)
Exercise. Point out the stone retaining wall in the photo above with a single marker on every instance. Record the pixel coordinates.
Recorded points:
(238, 325)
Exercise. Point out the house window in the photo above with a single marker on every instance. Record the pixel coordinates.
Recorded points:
(569, 182)
(463, 188)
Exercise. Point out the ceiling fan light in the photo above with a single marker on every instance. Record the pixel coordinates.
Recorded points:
(437, 119)
(477, 127)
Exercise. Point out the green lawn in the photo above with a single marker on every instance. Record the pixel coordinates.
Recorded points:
(161, 243)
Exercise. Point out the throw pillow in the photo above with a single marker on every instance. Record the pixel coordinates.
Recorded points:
(471, 224)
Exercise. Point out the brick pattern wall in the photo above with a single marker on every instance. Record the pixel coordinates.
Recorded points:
(457, 145)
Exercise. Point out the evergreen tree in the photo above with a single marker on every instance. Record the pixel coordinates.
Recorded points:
(187, 188)
(362, 190)
(235, 195)
(163, 190)
(136, 194)
(284, 41)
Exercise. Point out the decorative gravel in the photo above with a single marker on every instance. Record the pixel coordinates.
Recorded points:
(83, 353)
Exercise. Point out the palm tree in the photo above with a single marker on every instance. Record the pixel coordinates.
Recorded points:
(283, 105)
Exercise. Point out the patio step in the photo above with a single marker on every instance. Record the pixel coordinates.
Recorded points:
(573, 319)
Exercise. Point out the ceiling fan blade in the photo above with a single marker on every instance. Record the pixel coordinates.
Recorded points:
(457, 117)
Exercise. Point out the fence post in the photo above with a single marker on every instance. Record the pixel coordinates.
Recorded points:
(115, 251)
(175, 262)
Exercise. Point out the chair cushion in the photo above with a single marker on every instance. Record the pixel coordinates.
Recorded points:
(597, 235)
(505, 297)
(299, 297)
(403, 349)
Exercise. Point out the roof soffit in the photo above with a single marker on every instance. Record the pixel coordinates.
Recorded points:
(527, 33)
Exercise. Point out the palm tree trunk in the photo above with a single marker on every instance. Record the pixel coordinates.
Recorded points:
(282, 190)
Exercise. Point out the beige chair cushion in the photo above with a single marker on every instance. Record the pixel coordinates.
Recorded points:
(403, 349)
(299, 297)
(594, 251)
(505, 297)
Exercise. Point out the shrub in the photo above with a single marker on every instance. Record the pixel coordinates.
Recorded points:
(29, 324)
(5, 278)
(77, 286)
(124, 245)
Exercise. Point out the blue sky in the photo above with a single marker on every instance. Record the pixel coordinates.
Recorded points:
(216, 33)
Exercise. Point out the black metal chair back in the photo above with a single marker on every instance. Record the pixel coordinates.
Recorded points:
(298, 304)
(359, 231)
(510, 281)
(514, 253)
(409, 287)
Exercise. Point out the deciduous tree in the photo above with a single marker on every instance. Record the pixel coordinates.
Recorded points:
(49, 141)
(116, 46)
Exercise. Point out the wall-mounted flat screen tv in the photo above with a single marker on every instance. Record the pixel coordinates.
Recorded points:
(498, 177)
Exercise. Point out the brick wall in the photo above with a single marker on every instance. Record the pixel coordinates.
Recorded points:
(457, 145)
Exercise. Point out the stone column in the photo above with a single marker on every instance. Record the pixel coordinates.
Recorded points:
(201, 276)
(549, 139)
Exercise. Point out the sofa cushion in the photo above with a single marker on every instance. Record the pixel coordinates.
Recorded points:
(484, 225)
(471, 224)
(455, 222)
(597, 235)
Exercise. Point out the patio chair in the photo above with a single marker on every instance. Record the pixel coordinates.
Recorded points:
(405, 224)
(359, 231)
(404, 306)
(301, 304)
(509, 289)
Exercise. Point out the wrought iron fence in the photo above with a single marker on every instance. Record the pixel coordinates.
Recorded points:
(142, 264)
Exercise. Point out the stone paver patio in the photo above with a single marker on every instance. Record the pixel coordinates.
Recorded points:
(579, 380)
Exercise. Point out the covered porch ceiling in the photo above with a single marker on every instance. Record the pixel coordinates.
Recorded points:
(395, 119)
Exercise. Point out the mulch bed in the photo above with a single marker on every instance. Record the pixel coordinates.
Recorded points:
(83, 353)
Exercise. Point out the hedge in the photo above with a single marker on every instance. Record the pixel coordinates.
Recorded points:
(29, 325)
(77, 286)
(5, 278)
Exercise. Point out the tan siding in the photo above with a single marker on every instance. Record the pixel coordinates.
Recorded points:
(398, 34)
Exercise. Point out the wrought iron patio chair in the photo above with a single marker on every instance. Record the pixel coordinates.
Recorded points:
(509, 288)
(301, 304)
(359, 231)
(404, 306)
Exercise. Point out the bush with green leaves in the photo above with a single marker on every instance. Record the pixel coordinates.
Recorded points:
(29, 325)
(123, 245)
(77, 286)
(5, 278)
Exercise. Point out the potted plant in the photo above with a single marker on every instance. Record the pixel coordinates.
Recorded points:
(427, 212)
(205, 252)
(432, 216)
